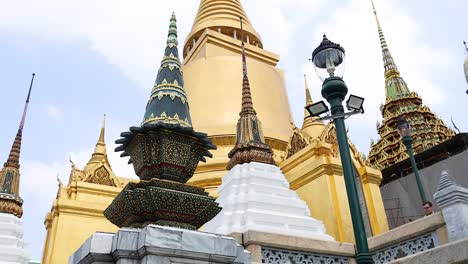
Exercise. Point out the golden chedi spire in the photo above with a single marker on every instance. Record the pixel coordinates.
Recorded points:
(311, 126)
(222, 16)
(10, 201)
(211, 56)
(250, 144)
(428, 129)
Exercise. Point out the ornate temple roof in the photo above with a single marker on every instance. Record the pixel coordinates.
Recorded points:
(10, 201)
(98, 169)
(250, 143)
(221, 16)
(428, 129)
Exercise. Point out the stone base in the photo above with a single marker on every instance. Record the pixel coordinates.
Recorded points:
(161, 203)
(256, 197)
(12, 248)
(157, 244)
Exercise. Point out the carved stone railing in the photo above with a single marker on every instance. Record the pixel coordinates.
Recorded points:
(418, 236)
(284, 256)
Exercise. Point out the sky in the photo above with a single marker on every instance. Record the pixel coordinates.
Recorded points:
(100, 57)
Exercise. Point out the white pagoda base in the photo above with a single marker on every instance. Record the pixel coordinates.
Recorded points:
(12, 248)
(256, 197)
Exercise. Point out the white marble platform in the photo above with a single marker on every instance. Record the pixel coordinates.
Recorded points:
(12, 246)
(256, 197)
(157, 244)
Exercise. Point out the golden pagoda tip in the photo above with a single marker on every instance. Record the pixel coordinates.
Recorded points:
(103, 129)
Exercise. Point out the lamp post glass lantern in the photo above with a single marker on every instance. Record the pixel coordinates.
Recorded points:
(328, 59)
(404, 129)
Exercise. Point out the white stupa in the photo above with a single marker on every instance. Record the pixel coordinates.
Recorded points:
(12, 246)
(255, 195)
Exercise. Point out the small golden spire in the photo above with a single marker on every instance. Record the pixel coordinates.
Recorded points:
(103, 129)
(308, 100)
(308, 97)
(100, 152)
(309, 121)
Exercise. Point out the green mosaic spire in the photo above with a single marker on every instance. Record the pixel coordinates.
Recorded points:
(165, 151)
(168, 102)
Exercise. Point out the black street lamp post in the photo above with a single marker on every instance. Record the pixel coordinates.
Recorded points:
(404, 129)
(328, 60)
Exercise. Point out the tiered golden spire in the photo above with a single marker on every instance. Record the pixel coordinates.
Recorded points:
(10, 201)
(222, 16)
(250, 144)
(428, 129)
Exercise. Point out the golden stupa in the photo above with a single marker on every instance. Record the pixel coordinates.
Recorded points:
(427, 129)
(212, 51)
(213, 81)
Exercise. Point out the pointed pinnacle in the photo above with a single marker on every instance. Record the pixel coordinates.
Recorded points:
(308, 97)
(103, 129)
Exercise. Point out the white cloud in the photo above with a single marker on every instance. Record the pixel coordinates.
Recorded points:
(54, 112)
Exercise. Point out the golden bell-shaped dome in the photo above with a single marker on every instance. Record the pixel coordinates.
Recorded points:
(222, 16)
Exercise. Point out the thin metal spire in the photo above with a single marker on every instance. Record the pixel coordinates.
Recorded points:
(13, 158)
(250, 143)
(247, 104)
(27, 102)
(395, 85)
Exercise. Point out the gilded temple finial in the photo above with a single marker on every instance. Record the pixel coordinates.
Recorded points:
(10, 201)
(100, 152)
(308, 119)
(308, 97)
(250, 144)
(103, 129)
